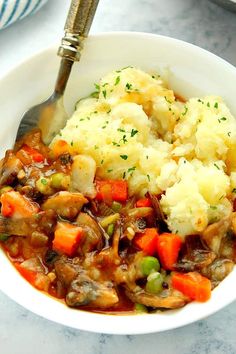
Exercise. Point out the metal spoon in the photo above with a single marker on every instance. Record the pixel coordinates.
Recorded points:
(50, 116)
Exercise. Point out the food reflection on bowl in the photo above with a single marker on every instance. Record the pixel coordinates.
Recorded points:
(126, 101)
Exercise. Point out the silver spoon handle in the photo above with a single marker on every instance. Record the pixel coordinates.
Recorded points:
(78, 23)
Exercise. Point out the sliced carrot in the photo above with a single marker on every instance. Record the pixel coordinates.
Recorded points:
(67, 238)
(144, 202)
(16, 205)
(168, 247)
(112, 190)
(35, 154)
(193, 285)
(29, 275)
(147, 241)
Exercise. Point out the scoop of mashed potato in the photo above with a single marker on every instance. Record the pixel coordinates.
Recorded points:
(135, 129)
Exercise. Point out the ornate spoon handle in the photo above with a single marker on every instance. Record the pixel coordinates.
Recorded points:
(78, 23)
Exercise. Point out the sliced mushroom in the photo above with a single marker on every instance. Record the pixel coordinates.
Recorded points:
(194, 255)
(214, 234)
(10, 168)
(42, 222)
(172, 301)
(218, 270)
(85, 291)
(65, 204)
(93, 238)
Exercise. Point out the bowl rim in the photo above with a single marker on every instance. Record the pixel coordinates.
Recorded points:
(113, 324)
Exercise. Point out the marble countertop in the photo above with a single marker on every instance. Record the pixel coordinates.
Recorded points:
(199, 22)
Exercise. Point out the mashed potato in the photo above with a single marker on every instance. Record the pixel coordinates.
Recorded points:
(135, 129)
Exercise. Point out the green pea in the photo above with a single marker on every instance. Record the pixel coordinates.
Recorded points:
(43, 186)
(4, 237)
(110, 229)
(149, 265)
(140, 308)
(154, 283)
(116, 206)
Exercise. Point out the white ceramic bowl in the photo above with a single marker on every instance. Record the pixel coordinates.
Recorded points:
(193, 70)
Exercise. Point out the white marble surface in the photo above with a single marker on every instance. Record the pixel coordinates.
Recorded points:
(196, 21)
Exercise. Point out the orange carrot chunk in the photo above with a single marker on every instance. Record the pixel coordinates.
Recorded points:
(112, 190)
(34, 154)
(29, 275)
(147, 241)
(193, 285)
(168, 247)
(144, 202)
(16, 205)
(67, 238)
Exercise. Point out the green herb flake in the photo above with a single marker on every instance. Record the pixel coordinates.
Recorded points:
(185, 111)
(106, 83)
(110, 170)
(229, 133)
(102, 162)
(131, 169)
(109, 111)
(128, 86)
(133, 132)
(96, 147)
(115, 144)
(44, 181)
(216, 105)
(71, 143)
(121, 130)
(147, 157)
(124, 139)
(117, 80)
(81, 119)
(234, 190)
(216, 166)
(221, 197)
(213, 207)
(208, 104)
(124, 157)
(124, 175)
(95, 112)
(167, 100)
(223, 118)
(148, 177)
(97, 87)
(104, 92)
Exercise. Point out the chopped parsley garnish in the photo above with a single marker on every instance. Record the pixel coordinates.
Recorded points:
(124, 157)
(102, 162)
(44, 181)
(81, 119)
(124, 175)
(117, 80)
(200, 101)
(133, 132)
(185, 111)
(216, 166)
(106, 83)
(147, 157)
(121, 130)
(148, 177)
(109, 111)
(110, 170)
(126, 67)
(131, 169)
(95, 112)
(115, 144)
(177, 120)
(223, 118)
(97, 87)
(221, 197)
(216, 105)
(76, 126)
(167, 100)
(96, 147)
(234, 190)
(88, 118)
(208, 104)
(229, 133)
(213, 207)
(71, 143)
(124, 139)
(104, 92)
(128, 86)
